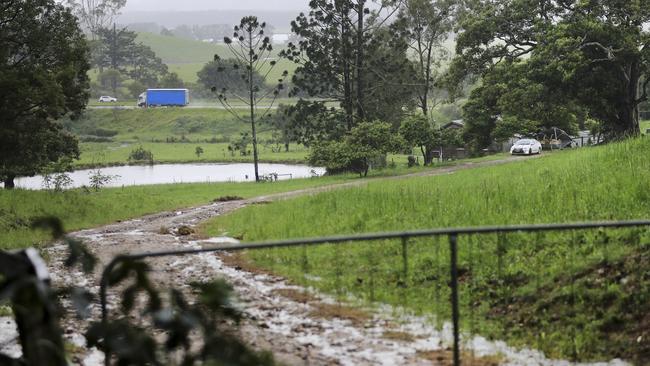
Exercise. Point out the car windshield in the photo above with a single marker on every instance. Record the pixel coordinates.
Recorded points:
(524, 142)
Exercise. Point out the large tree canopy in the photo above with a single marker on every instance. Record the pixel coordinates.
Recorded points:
(119, 50)
(43, 76)
(574, 56)
(347, 54)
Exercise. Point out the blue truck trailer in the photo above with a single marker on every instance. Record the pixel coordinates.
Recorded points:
(164, 98)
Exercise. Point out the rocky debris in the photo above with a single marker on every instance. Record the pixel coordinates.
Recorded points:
(185, 230)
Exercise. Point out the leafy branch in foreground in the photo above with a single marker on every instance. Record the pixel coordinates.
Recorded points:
(164, 331)
(183, 323)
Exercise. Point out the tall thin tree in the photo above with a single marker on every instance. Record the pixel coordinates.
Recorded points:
(252, 53)
(96, 14)
(427, 24)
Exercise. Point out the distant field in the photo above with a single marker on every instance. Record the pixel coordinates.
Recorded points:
(118, 153)
(187, 57)
(108, 136)
(187, 72)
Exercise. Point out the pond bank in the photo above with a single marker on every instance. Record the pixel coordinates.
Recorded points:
(132, 175)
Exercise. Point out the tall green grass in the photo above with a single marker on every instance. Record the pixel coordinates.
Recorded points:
(561, 293)
(602, 183)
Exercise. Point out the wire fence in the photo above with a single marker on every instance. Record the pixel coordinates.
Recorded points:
(544, 285)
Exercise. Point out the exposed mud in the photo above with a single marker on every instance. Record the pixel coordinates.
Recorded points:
(299, 326)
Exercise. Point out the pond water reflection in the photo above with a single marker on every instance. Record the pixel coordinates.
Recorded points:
(180, 173)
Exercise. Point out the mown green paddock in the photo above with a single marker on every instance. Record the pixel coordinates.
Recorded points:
(172, 134)
(583, 295)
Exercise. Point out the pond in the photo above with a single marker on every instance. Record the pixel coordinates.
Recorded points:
(179, 173)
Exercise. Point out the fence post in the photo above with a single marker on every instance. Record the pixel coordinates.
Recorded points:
(453, 246)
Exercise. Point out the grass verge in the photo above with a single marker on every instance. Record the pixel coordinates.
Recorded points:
(581, 295)
(79, 209)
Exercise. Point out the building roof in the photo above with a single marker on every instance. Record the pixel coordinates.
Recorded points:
(457, 123)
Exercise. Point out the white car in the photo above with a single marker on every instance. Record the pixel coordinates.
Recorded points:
(106, 99)
(527, 147)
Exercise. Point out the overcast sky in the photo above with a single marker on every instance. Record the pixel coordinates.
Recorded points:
(190, 5)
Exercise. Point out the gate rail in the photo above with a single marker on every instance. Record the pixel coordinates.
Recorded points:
(451, 233)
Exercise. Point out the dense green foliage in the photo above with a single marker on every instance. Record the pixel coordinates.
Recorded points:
(348, 55)
(552, 59)
(535, 271)
(366, 144)
(118, 56)
(227, 74)
(417, 131)
(43, 76)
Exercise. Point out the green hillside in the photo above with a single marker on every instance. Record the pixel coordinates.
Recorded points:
(561, 293)
(175, 50)
(186, 57)
(157, 123)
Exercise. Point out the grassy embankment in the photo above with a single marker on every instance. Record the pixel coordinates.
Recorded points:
(583, 295)
(208, 128)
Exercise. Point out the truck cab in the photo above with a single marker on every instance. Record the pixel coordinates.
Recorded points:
(142, 99)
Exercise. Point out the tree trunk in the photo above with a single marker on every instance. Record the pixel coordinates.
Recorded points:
(346, 59)
(9, 182)
(251, 94)
(428, 156)
(629, 115)
(628, 125)
(427, 83)
(359, 60)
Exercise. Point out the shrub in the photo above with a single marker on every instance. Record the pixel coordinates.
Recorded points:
(140, 154)
(99, 180)
(364, 147)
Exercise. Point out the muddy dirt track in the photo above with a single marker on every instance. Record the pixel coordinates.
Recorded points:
(298, 329)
